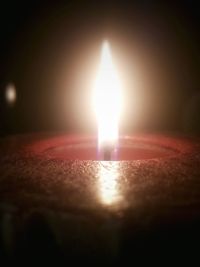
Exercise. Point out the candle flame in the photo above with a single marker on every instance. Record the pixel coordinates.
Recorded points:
(107, 99)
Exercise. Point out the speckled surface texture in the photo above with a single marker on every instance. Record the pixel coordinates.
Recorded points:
(99, 212)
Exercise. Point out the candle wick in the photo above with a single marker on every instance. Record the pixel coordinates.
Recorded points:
(107, 151)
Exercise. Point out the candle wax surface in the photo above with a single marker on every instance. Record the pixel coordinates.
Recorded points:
(128, 148)
(100, 211)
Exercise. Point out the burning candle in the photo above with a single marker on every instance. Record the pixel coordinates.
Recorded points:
(107, 103)
(114, 210)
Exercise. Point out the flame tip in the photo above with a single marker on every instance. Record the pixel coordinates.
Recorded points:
(106, 43)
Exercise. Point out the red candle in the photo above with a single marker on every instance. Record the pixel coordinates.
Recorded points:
(59, 201)
(137, 147)
(119, 209)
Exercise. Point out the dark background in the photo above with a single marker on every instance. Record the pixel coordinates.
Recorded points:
(50, 52)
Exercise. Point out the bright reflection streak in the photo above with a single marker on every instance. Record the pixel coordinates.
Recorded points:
(109, 183)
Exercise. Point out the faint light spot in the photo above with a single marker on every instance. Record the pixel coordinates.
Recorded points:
(10, 94)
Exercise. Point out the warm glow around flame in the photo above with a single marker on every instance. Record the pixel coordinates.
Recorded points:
(107, 98)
